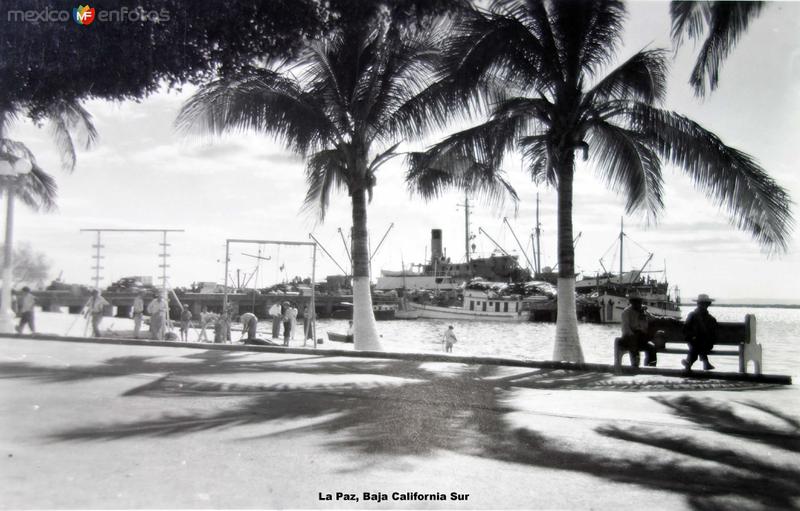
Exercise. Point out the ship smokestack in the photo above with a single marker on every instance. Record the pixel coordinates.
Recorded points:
(436, 244)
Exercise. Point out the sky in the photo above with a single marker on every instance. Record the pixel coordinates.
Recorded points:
(142, 174)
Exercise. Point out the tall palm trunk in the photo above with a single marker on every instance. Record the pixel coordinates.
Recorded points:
(365, 332)
(567, 345)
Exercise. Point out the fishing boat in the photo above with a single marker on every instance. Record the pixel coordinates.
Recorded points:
(333, 336)
(609, 292)
(484, 301)
(382, 311)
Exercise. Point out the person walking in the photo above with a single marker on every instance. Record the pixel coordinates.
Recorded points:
(449, 339)
(26, 303)
(635, 332)
(138, 313)
(700, 331)
(94, 310)
(186, 319)
(275, 314)
(158, 317)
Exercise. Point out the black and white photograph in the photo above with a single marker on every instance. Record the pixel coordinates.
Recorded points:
(400, 254)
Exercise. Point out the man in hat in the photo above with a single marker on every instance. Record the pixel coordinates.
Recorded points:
(701, 333)
(635, 332)
(157, 309)
(275, 314)
(94, 310)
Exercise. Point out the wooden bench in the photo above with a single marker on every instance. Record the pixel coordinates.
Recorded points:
(742, 335)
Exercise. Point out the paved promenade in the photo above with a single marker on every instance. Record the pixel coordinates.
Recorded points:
(117, 426)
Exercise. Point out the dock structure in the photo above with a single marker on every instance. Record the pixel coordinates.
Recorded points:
(257, 303)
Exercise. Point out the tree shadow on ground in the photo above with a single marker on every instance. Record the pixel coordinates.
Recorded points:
(733, 476)
(399, 408)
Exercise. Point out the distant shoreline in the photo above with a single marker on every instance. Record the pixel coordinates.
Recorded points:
(760, 305)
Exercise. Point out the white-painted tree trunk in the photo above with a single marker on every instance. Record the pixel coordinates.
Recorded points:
(365, 331)
(568, 346)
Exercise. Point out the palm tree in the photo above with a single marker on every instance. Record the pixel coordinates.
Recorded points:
(35, 188)
(724, 22)
(544, 68)
(66, 120)
(346, 112)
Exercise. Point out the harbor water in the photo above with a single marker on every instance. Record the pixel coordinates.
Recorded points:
(777, 331)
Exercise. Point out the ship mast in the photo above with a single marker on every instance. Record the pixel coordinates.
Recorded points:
(466, 226)
(538, 233)
(621, 233)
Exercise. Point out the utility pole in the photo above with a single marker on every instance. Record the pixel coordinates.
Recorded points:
(97, 257)
(163, 255)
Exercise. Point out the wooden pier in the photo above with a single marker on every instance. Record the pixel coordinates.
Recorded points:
(257, 303)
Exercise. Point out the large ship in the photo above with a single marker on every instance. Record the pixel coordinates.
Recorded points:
(440, 274)
(606, 296)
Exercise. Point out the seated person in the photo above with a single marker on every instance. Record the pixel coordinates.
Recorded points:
(701, 333)
(635, 332)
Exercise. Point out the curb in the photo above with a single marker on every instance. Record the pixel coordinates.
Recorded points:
(779, 379)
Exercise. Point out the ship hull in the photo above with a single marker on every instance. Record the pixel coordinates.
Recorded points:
(611, 307)
(458, 313)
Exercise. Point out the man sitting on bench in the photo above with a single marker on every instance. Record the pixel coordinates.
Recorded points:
(635, 332)
(701, 333)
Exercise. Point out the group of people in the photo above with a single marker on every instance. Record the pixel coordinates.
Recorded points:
(285, 315)
(699, 330)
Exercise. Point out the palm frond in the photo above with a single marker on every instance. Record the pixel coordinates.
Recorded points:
(729, 177)
(688, 18)
(441, 103)
(325, 171)
(536, 154)
(587, 32)
(382, 158)
(726, 23)
(16, 149)
(67, 120)
(430, 175)
(37, 189)
(8, 114)
(408, 68)
(622, 158)
(497, 45)
(643, 77)
(537, 110)
(266, 103)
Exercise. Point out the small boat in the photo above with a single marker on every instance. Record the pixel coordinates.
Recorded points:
(382, 311)
(477, 305)
(332, 336)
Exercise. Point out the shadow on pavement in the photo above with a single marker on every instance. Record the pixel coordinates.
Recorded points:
(732, 476)
(419, 411)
